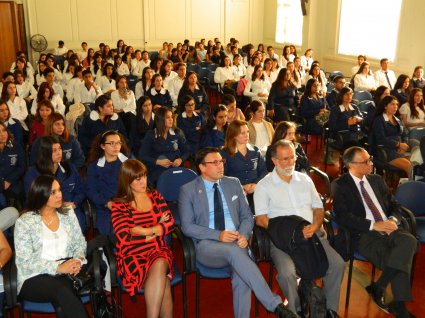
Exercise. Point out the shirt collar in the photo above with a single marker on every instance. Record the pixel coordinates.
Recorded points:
(342, 108)
(154, 92)
(209, 184)
(387, 119)
(356, 179)
(184, 115)
(101, 162)
(276, 179)
(94, 115)
(170, 131)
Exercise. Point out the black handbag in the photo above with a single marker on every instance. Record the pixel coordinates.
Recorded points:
(103, 306)
(84, 281)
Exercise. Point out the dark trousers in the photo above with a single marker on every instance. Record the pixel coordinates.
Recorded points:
(396, 251)
(57, 290)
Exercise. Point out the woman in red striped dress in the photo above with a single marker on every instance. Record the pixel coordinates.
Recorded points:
(141, 219)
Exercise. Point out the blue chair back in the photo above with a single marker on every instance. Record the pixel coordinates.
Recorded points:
(131, 82)
(410, 195)
(171, 180)
(192, 67)
(212, 67)
(203, 75)
(333, 74)
(365, 105)
(362, 95)
(203, 64)
(417, 133)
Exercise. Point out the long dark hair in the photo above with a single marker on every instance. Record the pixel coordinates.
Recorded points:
(139, 112)
(380, 108)
(282, 130)
(39, 193)
(100, 102)
(160, 121)
(44, 163)
(413, 111)
(130, 170)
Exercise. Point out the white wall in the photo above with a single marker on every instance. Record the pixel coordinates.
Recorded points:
(143, 23)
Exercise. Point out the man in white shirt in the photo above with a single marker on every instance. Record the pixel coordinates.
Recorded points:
(385, 76)
(84, 51)
(285, 192)
(88, 91)
(49, 76)
(61, 50)
(176, 83)
(271, 54)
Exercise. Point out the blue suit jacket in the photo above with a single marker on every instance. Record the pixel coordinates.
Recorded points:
(194, 211)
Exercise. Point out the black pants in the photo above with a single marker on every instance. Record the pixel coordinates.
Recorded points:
(57, 290)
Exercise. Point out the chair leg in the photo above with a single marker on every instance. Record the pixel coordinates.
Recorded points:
(197, 294)
(184, 296)
(326, 155)
(350, 274)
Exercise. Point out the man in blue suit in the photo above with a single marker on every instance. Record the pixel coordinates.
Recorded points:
(215, 214)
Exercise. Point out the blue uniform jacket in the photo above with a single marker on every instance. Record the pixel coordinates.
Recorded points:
(192, 128)
(214, 138)
(15, 128)
(12, 168)
(199, 95)
(162, 97)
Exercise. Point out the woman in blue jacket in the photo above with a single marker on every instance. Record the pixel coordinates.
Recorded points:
(108, 152)
(216, 128)
(159, 96)
(12, 167)
(71, 148)
(191, 123)
(50, 161)
(192, 87)
(164, 147)
(13, 125)
(98, 121)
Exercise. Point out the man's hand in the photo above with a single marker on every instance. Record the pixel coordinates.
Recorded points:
(228, 236)
(242, 241)
(309, 230)
(385, 226)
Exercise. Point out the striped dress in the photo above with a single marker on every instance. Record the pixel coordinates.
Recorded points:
(134, 254)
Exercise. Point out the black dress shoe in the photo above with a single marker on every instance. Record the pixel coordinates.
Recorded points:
(378, 296)
(331, 314)
(282, 312)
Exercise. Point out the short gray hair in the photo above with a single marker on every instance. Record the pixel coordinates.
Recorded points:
(280, 143)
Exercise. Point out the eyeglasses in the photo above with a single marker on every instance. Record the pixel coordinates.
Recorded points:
(366, 162)
(113, 143)
(216, 162)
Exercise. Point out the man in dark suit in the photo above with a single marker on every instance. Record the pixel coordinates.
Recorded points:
(364, 206)
(215, 214)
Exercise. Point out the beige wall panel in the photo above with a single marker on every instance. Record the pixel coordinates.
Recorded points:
(129, 17)
(94, 20)
(207, 19)
(54, 20)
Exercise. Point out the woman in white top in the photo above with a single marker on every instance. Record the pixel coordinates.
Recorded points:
(139, 63)
(120, 66)
(255, 60)
(68, 74)
(45, 91)
(225, 74)
(50, 61)
(239, 67)
(258, 86)
(21, 65)
(299, 70)
(267, 70)
(319, 76)
(145, 83)
(286, 56)
(24, 88)
(413, 113)
(97, 65)
(260, 131)
(123, 98)
(106, 82)
(364, 80)
(17, 106)
(39, 77)
(74, 82)
(295, 78)
(247, 59)
(307, 60)
(167, 72)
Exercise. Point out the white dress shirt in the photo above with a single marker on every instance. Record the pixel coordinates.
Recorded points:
(381, 79)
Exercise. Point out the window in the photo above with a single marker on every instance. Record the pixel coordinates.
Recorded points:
(289, 22)
(369, 27)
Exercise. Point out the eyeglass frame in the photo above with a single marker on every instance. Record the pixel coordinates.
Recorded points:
(215, 162)
(366, 162)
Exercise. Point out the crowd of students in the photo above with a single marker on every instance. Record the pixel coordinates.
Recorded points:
(73, 116)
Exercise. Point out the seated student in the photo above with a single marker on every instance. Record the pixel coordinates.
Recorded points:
(346, 117)
(75, 81)
(233, 112)
(156, 65)
(282, 97)
(191, 87)
(287, 192)
(379, 94)
(225, 75)
(255, 60)
(87, 92)
(413, 112)
(120, 66)
(71, 149)
(50, 77)
(101, 119)
(191, 123)
(307, 60)
(286, 56)
(7, 77)
(390, 134)
(385, 76)
(300, 72)
(22, 66)
(339, 83)
(124, 102)
(159, 96)
(107, 153)
(418, 80)
(46, 92)
(17, 106)
(258, 86)
(164, 147)
(365, 207)
(267, 70)
(363, 79)
(216, 127)
(317, 74)
(51, 63)
(139, 63)
(106, 82)
(243, 160)
(286, 130)
(68, 74)
(13, 125)
(167, 73)
(215, 57)
(24, 88)
(260, 131)
(49, 246)
(50, 161)
(143, 85)
(311, 105)
(360, 60)
(401, 89)
(142, 122)
(38, 125)
(215, 214)
(240, 68)
(12, 168)
(97, 65)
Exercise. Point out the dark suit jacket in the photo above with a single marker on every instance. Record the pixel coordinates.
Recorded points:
(194, 210)
(348, 205)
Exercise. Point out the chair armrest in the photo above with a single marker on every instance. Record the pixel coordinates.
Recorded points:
(10, 282)
(322, 175)
(189, 253)
(261, 244)
(110, 256)
(408, 220)
(327, 224)
(96, 270)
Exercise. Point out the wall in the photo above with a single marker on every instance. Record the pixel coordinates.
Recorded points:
(144, 23)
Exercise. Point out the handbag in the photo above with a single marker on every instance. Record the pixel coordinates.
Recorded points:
(322, 118)
(83, 282)
(103, 306)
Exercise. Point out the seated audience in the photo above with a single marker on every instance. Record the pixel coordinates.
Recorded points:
(363, 79)
(106, 82)
(418, 80)
(87, 92)
(339, 83)
(307, 60)
(120, 66)
(260, 130)
(225, 75)
(25, 89)
(107, 153)
(222, 235)
(167, 73)
(74, 82)
(142, 122)
(143, 85)
(258, 86)
(46, 223)
(124, 102)
(233, 112)
(385, 76)
(17, 106)
(50, 76)
(316, 73)
(360, 60)
(402, 89)
(141, 220)
(412, 112)
(176, 83)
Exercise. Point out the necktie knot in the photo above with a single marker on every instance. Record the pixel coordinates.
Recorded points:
(215, 186)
